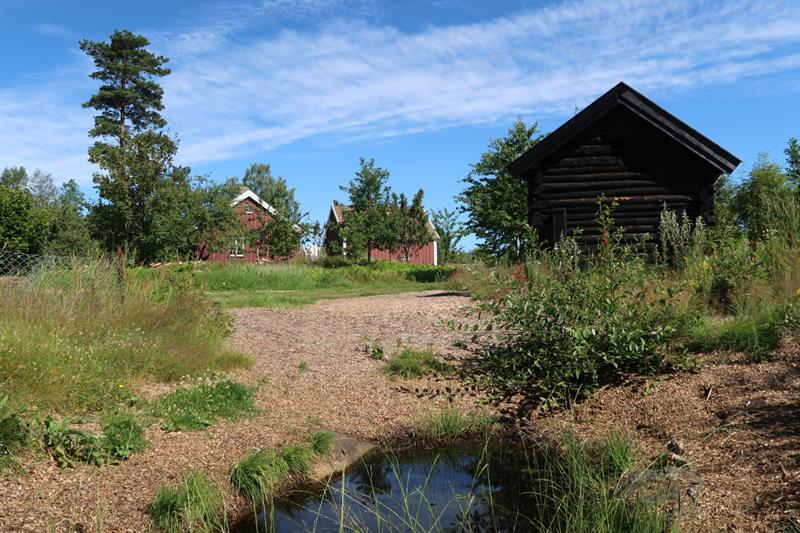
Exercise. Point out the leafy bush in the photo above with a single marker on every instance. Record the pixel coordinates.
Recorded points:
(195, 504)
(123, 436)
(412, 363)
(13, 435)
(189, 409)
(70, 446)
(577, 322)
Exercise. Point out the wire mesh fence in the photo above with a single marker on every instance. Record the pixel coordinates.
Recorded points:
(22, 265)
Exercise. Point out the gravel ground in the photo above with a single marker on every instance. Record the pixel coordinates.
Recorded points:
(342, 390)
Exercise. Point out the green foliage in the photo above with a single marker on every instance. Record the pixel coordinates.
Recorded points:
(14, 435)
(275, 191)
(257, 475)
(94, 340)
(128, 94)
(14, 178)
(195, 504)
(69, 228)
(576, 486)
(70, 446)
(495, 202)
(190, 409)
(370, 224)
(578, 321)
(411, 223)
(411, 363)
(282, 236)
(298, 458)
(450, 424)
(23, 224)
(756, 197)
(124, 436)
(792, 152)
(450, 233)
(374, 351)
(321, 442)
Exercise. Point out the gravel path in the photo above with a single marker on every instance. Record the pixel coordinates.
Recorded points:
(342, 390)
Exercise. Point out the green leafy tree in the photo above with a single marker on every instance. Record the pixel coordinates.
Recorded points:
(42, 188)
(411, 223)
(370, 224)
(14, 178)
(450, 233)
(69, 229)
(23, 224)
(214, 221)
(754, 199)
(282, 235)
(275, 191)
(792, 152)
(495, 202)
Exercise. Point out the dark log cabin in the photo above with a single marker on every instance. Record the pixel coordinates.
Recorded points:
(629, 149)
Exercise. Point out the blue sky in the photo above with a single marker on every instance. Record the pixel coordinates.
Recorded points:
(309, 86)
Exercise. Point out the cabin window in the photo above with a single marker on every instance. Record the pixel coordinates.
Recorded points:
(237, 249)
(248, 210)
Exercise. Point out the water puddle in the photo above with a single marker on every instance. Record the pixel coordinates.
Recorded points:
(445, 489)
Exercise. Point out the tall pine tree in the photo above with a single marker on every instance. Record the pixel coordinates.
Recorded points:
(136, 157)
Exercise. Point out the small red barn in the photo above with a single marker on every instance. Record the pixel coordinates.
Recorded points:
(427, 254)
(254, 213)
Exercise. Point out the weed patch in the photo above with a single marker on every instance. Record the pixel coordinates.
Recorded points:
(194, 408)
(410, 363)
(257, 475)
(123, 435)
(195, 504)
(321, 442)
(13, 436)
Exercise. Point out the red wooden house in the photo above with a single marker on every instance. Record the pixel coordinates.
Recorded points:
(427, 254)
(254, 213)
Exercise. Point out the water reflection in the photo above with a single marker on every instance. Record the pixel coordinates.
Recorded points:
(450, 489)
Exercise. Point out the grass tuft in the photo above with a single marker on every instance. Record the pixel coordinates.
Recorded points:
(412, 363)
(190, 409)
(321, 442)
(123, 435)
(298, 458)
(450, 424)
(257, 475)
(195, 504)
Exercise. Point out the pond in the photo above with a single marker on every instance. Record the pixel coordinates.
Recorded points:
(447, 489)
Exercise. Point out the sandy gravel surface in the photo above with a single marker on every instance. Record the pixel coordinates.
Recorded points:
(342, 390)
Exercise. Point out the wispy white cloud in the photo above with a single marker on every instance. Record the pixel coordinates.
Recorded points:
(236, 91)
(55, 30)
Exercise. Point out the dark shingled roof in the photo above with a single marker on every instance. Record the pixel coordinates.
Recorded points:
(624, 95)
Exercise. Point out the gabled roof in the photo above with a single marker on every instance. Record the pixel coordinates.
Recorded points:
(245, 194)
(340, 210)
(624, 95)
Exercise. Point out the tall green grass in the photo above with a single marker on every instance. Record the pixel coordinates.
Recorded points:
(196, 503)
(79, 340)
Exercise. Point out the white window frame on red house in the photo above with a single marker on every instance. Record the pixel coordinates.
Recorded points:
(237, 250)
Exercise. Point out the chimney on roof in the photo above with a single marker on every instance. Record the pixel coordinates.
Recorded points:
(243, 189)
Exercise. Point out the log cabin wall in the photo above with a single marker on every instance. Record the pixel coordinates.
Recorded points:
(629, 161)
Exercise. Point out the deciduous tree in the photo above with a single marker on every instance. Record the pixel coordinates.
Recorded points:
(411, 223)
(495, 202)
(450, 233)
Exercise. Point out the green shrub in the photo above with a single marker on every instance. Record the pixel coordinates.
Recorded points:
(257, 475)
(189, 409)
(195, 504)
(412, 363)
(13, 435)
(69, 446)
(123, 436)
(450, 424)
